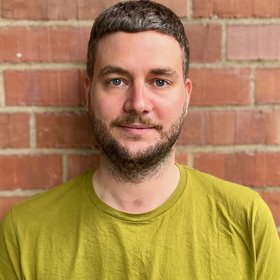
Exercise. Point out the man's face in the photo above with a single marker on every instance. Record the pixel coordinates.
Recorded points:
(138, 97)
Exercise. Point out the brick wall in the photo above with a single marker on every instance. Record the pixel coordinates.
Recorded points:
(233, 126)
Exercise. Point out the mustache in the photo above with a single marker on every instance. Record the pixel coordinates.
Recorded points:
(131, 119)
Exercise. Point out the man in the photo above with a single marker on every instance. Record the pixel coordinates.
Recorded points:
(140, 215)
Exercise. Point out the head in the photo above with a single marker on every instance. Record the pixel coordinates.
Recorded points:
(137, 99)
(137, 16)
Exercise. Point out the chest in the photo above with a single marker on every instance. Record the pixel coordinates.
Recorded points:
(170, 247)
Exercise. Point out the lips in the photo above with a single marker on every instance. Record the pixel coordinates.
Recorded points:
(135, 123)
(135, 131)
(137, 126)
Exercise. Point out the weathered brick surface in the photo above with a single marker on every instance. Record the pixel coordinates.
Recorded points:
(231, 128)
(205, 42)
(54, 9)
(43, 44)
(267, 86)
(181, 157)
(220, 86)
(212, 163)
(236, 9)
(63, 130)
(30, 172)
(253, 42)
(77, 164)
(258, 127)
(193, 131)
(273, 200)
(251, 169)
(14, 130)
(64, 88)
(61, 9)
(221, 128)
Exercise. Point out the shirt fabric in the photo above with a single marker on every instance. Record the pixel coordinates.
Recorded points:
(207, 229)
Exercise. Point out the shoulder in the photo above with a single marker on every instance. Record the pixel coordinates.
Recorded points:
(231, 200)
(213, 186)
(241, 215)
(234, 203)
(47, 203)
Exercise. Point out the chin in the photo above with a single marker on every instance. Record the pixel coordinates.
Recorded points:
(136, 148)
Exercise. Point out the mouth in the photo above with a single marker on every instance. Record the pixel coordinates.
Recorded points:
(136, 130)
(137, 123)
(137, 126)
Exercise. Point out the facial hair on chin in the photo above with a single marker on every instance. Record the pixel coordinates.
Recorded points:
(124, 165)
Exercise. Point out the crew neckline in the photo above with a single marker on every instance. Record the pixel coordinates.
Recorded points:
(105, 208)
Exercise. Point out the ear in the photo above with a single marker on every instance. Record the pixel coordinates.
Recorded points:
(188, 91)
(87, 86)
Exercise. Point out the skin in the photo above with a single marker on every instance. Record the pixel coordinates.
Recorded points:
(142, 77)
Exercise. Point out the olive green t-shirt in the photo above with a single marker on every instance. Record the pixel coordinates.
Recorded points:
(207, 229)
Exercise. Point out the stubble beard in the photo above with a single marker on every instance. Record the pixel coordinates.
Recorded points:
(134, 167)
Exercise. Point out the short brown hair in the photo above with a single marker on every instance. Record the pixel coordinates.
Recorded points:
(136, 16)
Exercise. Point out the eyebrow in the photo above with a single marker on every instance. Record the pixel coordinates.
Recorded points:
(111, 69)
(166, 71)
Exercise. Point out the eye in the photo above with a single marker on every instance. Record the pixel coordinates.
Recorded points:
(115, 82)
(161, 83)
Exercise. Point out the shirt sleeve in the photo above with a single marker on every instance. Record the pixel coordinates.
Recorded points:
(267, 244)
(9, 250)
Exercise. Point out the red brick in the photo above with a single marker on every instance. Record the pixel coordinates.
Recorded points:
(220, 128)
(30, 172)
(179, 7)
(90, 10)
(43, 87)
(231, 127)
(77, 164)
(181, 157)
(238, 168)
(61, 9)
(258, 169)
(14, 129)
(193, 130)
(220, 86)
(202, 8)
(253, 42)
(63, 130)
(43, 44)
(257, 127)
(69, 43)
(267, 86)
(53, 9)
(242, 127)
(267, 166)
(212, 163)
(235, 8)
(205, 42)
(273, 201)
(7, 202)
(27, 9)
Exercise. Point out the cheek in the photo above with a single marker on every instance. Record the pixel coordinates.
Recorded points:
(104, 108)
(171, 110)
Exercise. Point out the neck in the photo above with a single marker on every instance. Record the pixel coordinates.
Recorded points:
(140, 197)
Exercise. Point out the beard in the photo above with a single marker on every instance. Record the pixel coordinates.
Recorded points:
(131, 167)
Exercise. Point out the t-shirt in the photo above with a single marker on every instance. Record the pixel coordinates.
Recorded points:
(207, 229)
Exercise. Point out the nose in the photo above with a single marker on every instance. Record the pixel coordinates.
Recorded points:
(138, 100)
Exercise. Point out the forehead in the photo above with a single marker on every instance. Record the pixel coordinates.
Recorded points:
(142, 50)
